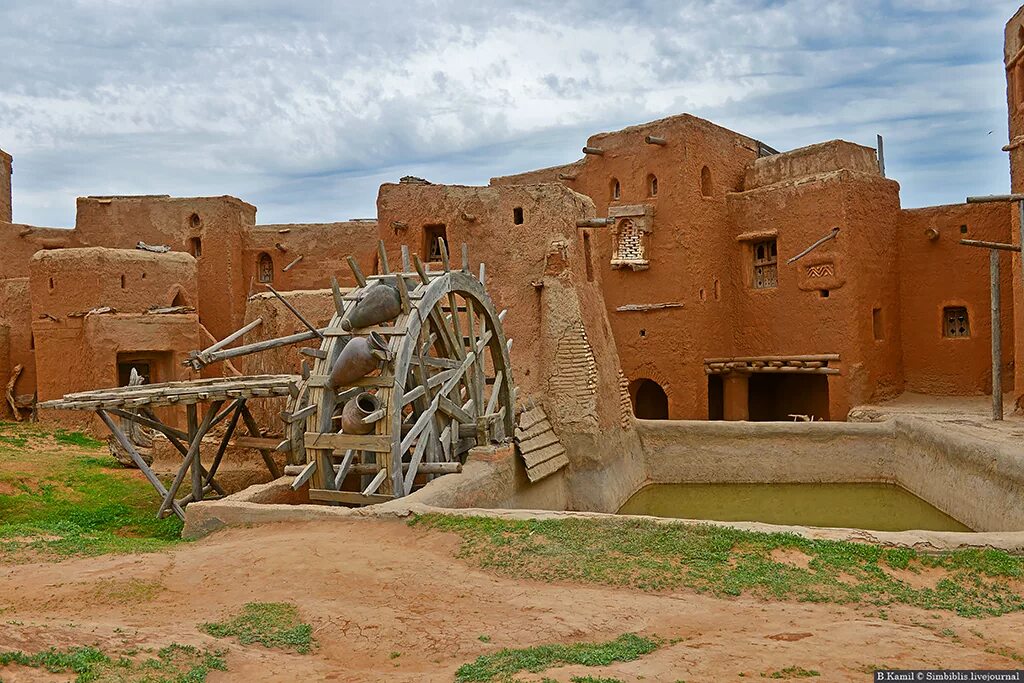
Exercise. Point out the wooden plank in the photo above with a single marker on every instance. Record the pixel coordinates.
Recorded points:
(304, 475)
(524, 435)
(536, 457)
(257, 442)
(748, 359)
(368, 442)
(547, 468)
(531, 418)
(351, 497)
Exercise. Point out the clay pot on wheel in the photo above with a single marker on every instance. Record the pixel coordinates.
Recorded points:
(357, 360)
(355, 410)
(379, 304)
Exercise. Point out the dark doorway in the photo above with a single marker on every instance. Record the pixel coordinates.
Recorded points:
(777, 397)
(649, 400)
(716, 398)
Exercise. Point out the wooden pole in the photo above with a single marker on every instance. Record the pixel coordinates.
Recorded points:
(997, 337)
(1002, 246)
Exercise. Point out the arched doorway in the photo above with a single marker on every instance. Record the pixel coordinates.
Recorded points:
(650, 402)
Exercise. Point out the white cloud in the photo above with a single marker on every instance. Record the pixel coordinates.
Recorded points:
(304, 107)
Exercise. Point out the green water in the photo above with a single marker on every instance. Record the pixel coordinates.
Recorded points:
(879, 507)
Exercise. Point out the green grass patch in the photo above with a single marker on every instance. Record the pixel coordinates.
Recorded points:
(172, 664)
(594, 679)
(271, 624)
(501, 666)
(651, 556)
(792, 672)
(62, 494)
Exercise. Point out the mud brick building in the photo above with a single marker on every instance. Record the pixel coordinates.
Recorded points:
(740, 282)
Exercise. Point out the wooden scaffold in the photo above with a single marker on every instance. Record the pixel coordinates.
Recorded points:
(136, 403)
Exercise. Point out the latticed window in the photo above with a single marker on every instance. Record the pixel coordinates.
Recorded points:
(955, 322)
(630, 246)
(766, 265)
(266, 268)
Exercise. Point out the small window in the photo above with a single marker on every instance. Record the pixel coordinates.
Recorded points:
(652, 185)
(718, 290)
(51, 283)
(702, 294)
(517, 215)
(876, 324)
(766, 260)
(194, 220)
(122, 281)
(955, 322)
(195, 246)
(265, 268)
(616, 190)
(432, 234)
(963, 229)
(705, 182)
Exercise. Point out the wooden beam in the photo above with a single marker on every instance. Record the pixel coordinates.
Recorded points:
(997, 336)
(127, 445)
(1001, 246)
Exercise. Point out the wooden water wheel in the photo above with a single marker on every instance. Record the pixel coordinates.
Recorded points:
(442, 385)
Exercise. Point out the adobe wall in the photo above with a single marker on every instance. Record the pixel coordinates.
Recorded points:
(857, 271)
(15, 313)
(19, 242)
(79, 354)
(69, 281)
(563, 353)
(810, 160)
(220, 225)
(322, 246)
(935, 272)
(5, 187)
(688, 248)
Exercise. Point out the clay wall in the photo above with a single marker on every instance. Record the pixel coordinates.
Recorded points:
(823, 303)
(78, 354)
(811, 160)
(322, 246)
(15, 313)
(127, 280)
(213, 229)
(936, 272)
(19, 242)
(5, 187)
(688, 247)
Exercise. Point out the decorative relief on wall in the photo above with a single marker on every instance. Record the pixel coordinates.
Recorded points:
(631, 236)
(821, 272)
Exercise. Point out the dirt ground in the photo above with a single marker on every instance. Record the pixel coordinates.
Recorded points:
(388, 602)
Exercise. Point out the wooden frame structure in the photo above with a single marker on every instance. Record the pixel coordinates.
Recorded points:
(136, 403)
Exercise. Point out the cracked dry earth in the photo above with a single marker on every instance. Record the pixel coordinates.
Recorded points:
(373, 588)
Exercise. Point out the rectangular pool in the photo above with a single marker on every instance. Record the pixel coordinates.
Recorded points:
(877, 507)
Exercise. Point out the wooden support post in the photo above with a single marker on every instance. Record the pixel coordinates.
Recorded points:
(195, 438)
(382, 256)
(237, 408)
(127, 445)
(287, 304)
(254, 430)
(356, 272)
(997, 337)
(339, 303)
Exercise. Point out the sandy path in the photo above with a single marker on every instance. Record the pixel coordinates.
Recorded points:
(371, 588)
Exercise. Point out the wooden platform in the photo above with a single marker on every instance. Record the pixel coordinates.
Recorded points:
(178, 393)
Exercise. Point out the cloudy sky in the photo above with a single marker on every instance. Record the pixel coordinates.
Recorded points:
(304, 107)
